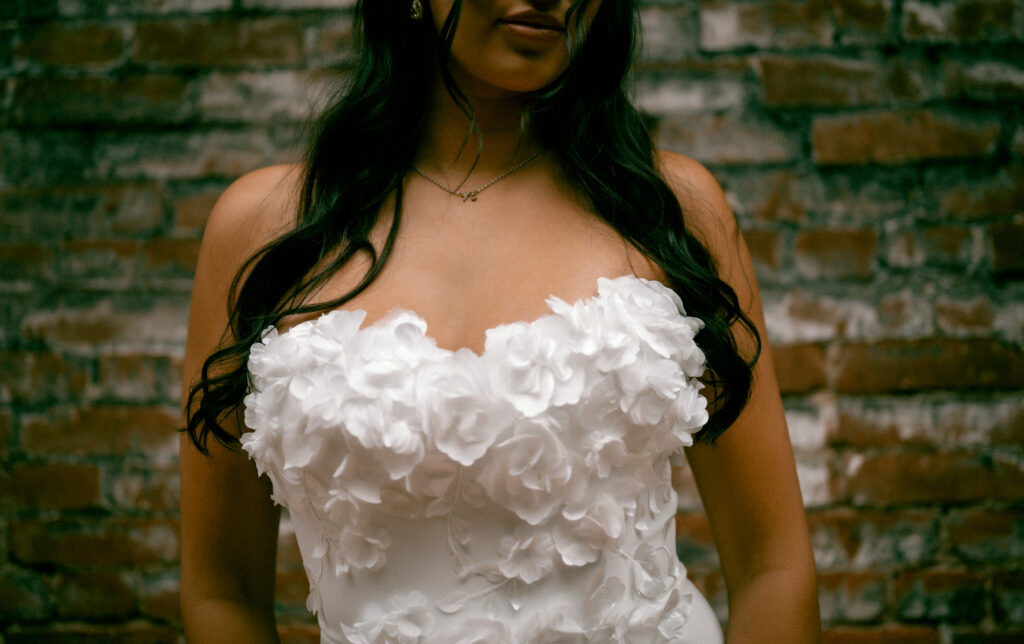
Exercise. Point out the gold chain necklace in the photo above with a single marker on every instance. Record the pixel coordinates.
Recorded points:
(472, 194)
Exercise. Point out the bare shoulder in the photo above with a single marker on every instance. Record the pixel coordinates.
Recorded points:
(706, 211)
(258, 204)
(256, 208)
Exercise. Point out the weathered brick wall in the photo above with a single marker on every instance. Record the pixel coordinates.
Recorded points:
(873, 150)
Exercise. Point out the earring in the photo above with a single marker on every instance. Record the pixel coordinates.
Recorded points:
(416, 11)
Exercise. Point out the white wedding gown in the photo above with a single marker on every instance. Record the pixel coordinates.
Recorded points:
(518, 495)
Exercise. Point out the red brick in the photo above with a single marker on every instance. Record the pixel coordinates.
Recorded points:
(290, 590)
(5, 432)
(299, 633)
(103, 430)
(962, 20)
(851, 596)
(947, 246)
(138, 378)
(982, 424)
(777, 24)
(105, 262)
(151, 489)
(712, 586)
(686, 486)
(987, 637)
(219, 153)
(159, 598)
(220, 41)
(726, 139)
(667, 34)
(32, 378)
(128, 633)
(695, 543)
(56, 486)
(986, 536)
(884, 423)
(176, 256)
(862, 21)
(67, 212)
(23, 596)
(899, 137)
(96, 543)
(191, 212)
(72, 45)
(1008, 596)
(44, 158)
(289, 558)
(805, 315)
(72, 327)
(1007, 245)
(765, 248)
(333, 38)
(778, 196)
(136, 325)
(989, 81)
(26, 262)
(964, 316)
(262, 97)
(932, 478)
(799, 368)
(935, 595)
(97, 595)
(902, 313)
(868, 540)
(150, 99)
(832, 253)
(897, 365)
(880, 635)
(999, 192)
(821, 82)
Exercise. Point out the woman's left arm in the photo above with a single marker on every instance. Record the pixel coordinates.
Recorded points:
(747, 480)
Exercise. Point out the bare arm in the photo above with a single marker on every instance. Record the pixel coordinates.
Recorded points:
(228, 523)
(748, 481)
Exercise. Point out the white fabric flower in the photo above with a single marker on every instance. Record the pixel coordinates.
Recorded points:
(528, 555)
(458, 409)
(527, 472)
(653, 313)
(403, 619)
(362, 547)
(534, 370)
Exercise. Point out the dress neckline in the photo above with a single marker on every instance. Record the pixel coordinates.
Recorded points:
(553, 302)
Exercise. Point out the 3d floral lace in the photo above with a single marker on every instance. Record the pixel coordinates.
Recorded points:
(518, 495)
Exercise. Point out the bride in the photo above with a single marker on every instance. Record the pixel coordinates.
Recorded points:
(463, 342)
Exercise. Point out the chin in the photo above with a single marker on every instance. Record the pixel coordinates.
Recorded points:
(523, 78)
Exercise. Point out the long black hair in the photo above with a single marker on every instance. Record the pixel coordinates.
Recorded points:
(364, 145)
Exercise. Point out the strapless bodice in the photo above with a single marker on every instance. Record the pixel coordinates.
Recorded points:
(521, 494)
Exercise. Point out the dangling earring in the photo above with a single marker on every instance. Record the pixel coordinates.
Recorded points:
(416, 11)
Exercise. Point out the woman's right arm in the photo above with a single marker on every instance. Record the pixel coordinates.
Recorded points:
(228, 522)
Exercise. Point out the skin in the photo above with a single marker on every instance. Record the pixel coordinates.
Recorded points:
(526, 237)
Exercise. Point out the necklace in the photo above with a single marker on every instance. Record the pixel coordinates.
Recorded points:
(472, 194)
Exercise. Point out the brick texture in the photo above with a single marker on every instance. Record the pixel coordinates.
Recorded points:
(873, 151)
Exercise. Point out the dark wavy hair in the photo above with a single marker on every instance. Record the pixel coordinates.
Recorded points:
(364, 145)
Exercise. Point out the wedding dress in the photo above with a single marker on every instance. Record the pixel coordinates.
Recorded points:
(518, 495)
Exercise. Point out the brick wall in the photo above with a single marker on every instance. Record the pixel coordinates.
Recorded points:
(872, 149)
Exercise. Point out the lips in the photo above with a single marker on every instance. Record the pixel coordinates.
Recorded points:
(534, 20)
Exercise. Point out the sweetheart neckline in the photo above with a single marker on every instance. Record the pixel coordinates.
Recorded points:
(549, 301)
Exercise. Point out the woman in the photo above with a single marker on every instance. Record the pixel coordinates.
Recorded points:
(490, 478)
